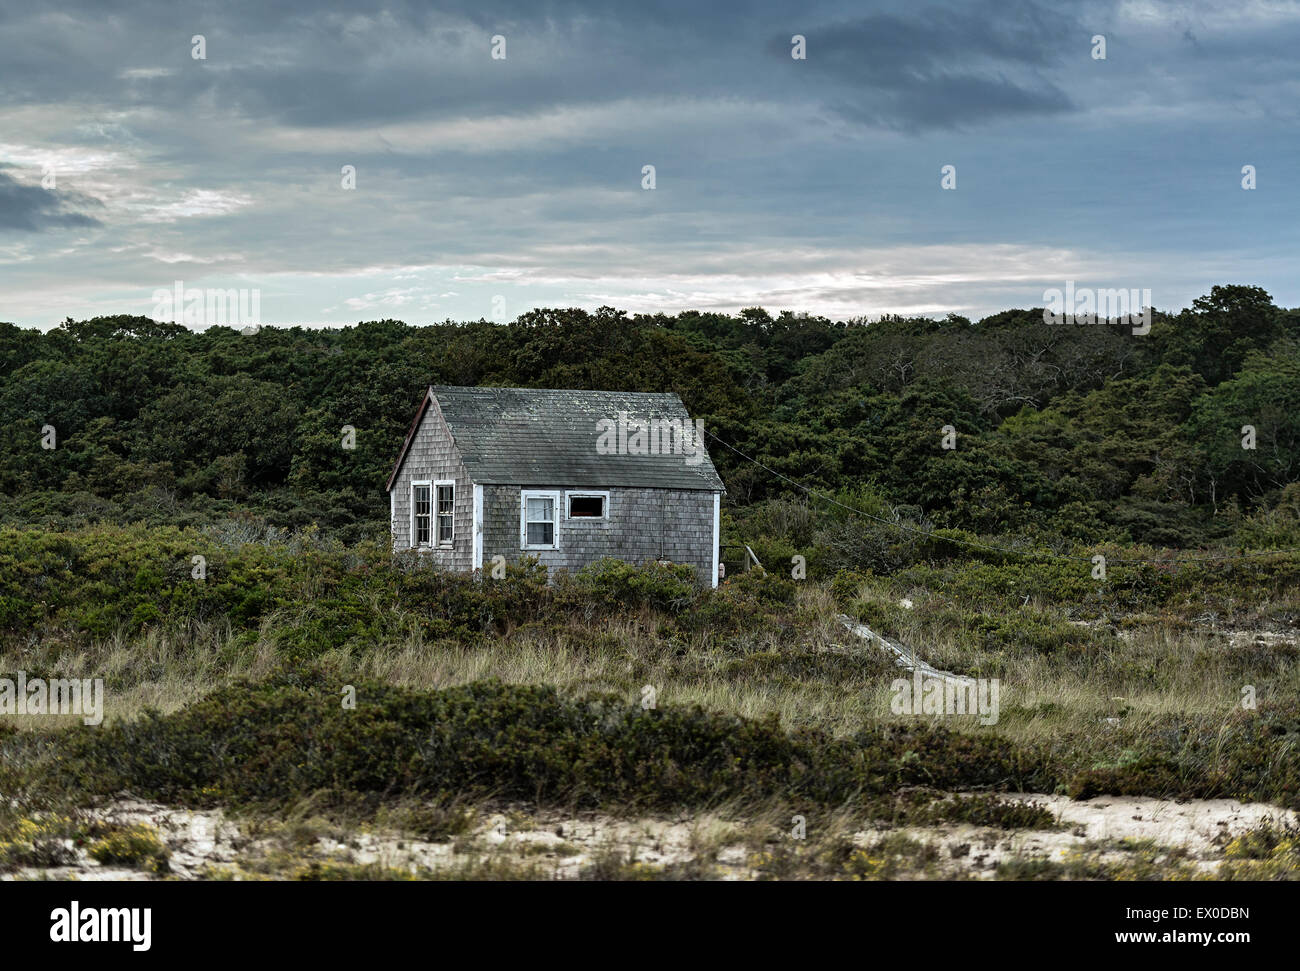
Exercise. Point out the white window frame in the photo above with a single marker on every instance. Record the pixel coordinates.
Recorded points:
(587, 493)
(435, 539)
(411, 536)
(717, 534)
(556, 499)
(477, 555)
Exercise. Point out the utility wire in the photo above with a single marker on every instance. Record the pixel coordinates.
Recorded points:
(987, 547)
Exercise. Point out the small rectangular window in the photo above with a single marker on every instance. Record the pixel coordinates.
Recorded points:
(446, 508)
(420, 514)
(586, 507)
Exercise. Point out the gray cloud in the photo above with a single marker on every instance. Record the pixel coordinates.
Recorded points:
(30, 208)
(288, 63)
(941, 67)
(527, 171)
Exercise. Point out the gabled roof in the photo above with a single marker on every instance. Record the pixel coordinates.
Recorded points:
(528, 436)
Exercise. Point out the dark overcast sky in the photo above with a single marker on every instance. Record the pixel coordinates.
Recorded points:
(807, 185)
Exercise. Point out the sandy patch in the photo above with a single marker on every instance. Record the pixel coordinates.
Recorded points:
(562, 846)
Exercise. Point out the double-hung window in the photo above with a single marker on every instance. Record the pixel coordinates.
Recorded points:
(433, 507)
(421, 513)
(538, 520)
(445, 493)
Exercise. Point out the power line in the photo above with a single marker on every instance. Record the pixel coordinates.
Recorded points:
(988, 547)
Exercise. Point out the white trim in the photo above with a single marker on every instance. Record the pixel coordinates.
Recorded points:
(603, 493)
(524, 496)
(717, 533)
(434, 541)
(410, 537)
(476, 563)
(392, 518)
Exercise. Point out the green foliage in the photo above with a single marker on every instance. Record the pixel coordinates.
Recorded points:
(1264, 395)
(614, 583)
(312, 595)
(289, 736)
(1145, 775)
(1220, 331)
(1083, 434)
(1274, 526)
(761, 587)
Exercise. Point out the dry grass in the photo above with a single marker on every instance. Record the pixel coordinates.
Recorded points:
(811, 672)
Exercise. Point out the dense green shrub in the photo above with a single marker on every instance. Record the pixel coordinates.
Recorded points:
(615, 583)
(1146, 775)
(290, 736)
(764, 587)
(323, 596)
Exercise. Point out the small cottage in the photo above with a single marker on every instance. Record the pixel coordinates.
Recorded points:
(570, 477)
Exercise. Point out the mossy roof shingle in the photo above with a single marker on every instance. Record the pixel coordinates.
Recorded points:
(528, 436)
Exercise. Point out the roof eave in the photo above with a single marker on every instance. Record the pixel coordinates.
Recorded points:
(410, 437)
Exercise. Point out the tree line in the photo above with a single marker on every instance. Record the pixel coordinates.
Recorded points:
(1175, 438)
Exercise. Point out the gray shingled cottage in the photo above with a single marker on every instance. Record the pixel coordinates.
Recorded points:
(567, 476)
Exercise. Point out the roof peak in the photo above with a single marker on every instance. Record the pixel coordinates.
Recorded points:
(489, 389)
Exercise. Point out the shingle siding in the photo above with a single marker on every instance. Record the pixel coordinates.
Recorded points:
(432, 456)
(643, 524)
